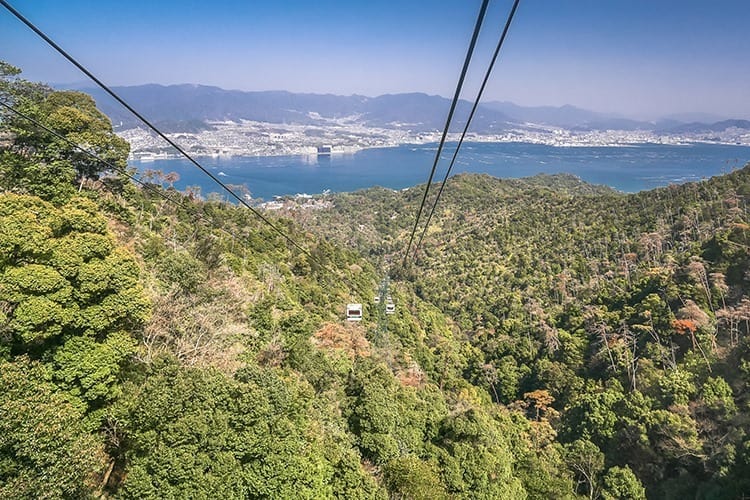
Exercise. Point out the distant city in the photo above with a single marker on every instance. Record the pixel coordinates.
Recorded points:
(210, 121)
(249, 138)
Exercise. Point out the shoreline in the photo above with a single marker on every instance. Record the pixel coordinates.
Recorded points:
(147, 157)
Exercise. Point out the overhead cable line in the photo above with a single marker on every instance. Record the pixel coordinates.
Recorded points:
(184, 153)
(471, 116)
(149, 187)
(456, 96)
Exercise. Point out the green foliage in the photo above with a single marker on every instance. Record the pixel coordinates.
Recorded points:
(475, 458)
(45, 448)
(61, 275)
(52, 180)
(181, 269)
(89, 369)
(619, 483)
(390, 420)
(586, 461)
(349, 479)
(195, 434)
(42, 164)
(593, 415)
(41, 302)
(718, 397)
(673, 435)
(27, 225)
(677, 387)
(409, 477)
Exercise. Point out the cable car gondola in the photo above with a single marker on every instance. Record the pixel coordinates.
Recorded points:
(354, 312)
(390, 308)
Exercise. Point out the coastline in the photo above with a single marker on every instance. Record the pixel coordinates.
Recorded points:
(260, 139)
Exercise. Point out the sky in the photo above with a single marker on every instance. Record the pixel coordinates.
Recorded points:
(641, 59)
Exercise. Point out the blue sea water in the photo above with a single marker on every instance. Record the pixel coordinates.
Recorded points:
(628, 169)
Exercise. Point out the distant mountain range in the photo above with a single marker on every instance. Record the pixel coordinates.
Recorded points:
(720, 126)
(567, 116)
(189, 108)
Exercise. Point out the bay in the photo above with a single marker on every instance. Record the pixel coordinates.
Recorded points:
(629, 169)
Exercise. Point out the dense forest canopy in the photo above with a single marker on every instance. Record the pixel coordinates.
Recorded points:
(553, 339)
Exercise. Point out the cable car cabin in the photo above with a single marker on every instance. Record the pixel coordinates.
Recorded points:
(354, 312)
(377, 299)
(390, 308)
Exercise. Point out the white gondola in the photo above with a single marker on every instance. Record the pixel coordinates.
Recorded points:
(390, 308)
(354, 312)
(377, 299)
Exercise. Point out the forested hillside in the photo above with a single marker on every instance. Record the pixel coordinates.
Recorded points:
(621, 321)
(552, 340)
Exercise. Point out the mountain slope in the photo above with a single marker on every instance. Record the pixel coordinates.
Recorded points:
(626, 314)
(552, 339)
(155, 345)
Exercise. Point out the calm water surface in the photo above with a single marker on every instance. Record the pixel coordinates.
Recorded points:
(628, 169)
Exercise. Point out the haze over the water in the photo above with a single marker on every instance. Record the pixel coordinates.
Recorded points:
(639, 58)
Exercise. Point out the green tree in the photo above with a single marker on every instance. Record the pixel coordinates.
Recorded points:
(718, 398)
(619, 483)
(61, 275)
(388, 419)
(89, 369)
(39, 163)
(46, 450)
(592, 414)
(586, 460)
(475, 458)
(190, 433)
(68, 295)
(408, 477)
(677, 387)
(75, 116)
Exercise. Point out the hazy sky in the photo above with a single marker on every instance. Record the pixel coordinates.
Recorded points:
(639, 58)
